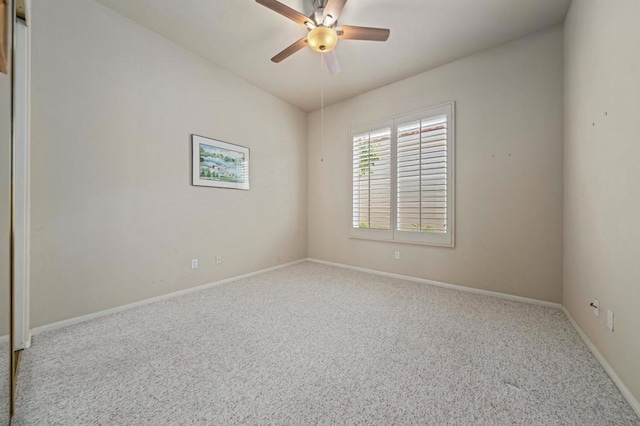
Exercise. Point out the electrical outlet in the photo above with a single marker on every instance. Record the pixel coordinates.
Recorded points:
(397, 255)
(596, 307)
(194, 263)
(610, 319)
(218, 259)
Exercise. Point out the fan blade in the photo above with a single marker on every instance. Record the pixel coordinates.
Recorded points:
(284, 10)
(364, 33)
(334, 8)
(331, 60)
(290, 50)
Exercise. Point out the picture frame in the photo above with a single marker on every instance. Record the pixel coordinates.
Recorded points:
(219, 164)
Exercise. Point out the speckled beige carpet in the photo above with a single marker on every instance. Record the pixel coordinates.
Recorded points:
(4, 382)
(314, 344)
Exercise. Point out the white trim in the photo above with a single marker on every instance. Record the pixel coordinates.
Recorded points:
(22, 184)
(76, 320)
(446, 285)
(626, 393)
(88, 317)
(4, 338)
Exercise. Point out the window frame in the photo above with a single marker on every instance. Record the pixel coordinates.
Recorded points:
(393, 234)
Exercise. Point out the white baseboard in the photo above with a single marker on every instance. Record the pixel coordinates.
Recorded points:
(445, 285)
(71, 321)
(76, 320)
(27, 344)
(607, 367)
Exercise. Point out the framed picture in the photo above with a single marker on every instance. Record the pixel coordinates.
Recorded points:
(219, 164)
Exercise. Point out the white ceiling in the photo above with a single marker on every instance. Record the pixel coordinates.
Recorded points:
(241, 36)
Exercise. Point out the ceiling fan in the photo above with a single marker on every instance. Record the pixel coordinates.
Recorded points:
(323, 29)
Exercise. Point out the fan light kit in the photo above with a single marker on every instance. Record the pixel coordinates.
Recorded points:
(323, 31)
(322, 39)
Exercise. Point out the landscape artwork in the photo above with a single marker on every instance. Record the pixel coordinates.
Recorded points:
(219, 164)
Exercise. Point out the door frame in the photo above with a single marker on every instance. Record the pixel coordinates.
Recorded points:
(22, 87)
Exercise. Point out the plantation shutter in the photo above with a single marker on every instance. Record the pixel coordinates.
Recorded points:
(422, 178)
(372, 180)
(403, 178)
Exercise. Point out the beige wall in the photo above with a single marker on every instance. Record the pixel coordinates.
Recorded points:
(602, 176)
(508, 171)
(114, 216)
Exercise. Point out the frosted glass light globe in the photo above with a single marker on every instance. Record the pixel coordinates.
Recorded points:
(322, 39)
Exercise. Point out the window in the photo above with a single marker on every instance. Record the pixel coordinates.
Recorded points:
(403, 180)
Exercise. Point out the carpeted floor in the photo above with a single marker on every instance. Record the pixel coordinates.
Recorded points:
(314, 344)
(4, 382)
